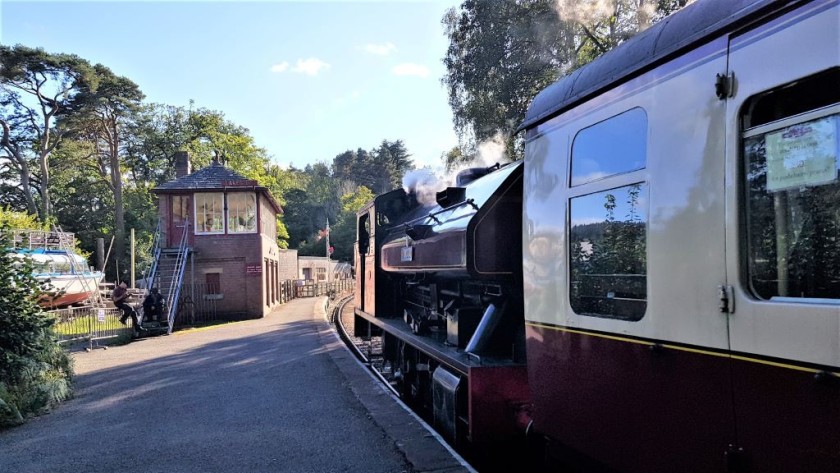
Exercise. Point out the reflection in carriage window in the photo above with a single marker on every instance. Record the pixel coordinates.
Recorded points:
(793, 207)
(608, 260)
(614, 146)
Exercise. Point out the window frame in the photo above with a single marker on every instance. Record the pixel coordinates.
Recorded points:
(607, 183)
(228, 210)
(214, 288)
(592, 126)
(746, 237)
(222, 213)
(621, 186)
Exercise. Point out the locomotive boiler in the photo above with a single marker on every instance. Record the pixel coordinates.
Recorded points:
(440, 276)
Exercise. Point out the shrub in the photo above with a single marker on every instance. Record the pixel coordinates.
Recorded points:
(35, 372)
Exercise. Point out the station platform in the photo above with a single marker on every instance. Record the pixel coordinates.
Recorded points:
(278, 394)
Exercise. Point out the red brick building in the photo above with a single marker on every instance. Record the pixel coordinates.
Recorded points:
(231, 226)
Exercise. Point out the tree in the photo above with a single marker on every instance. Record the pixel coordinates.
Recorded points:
(501, 54)
(37, 91)
(19, 220)
(455, 158)
(343, 234)
(392, 157)
(298, 217)
(105, 116)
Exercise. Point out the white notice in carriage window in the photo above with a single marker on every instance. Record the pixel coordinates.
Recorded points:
(802, 155)
(406, 253)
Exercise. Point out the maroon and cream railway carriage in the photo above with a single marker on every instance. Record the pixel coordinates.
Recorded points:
(674, 261)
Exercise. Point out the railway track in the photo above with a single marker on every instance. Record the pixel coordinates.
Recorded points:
(368, 350)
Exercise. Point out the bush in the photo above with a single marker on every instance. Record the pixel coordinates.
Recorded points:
(35, 372)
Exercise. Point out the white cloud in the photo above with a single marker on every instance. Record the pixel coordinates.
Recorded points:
(409, 69)
(382, 49)
(282, 67)
(312, 66)
(351, 97)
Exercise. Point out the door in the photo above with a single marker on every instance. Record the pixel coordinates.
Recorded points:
(783, 218)
(180, 214)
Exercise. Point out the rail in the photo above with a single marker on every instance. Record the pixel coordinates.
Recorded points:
(37, 239)
(348, 340)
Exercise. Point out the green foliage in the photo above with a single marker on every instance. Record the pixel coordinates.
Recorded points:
(19, 220)
(501, 54)
(40, 93)
(380, 169)
(343, 234)
(35, 373)
(108, 150)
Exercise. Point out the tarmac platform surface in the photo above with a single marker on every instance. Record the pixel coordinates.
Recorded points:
(278, 394)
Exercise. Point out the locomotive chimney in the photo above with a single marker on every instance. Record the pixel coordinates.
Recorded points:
(182, 164)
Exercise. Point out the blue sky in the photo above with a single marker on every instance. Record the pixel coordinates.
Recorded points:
(309, 79)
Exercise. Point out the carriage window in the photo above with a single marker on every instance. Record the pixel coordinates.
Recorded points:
(613, 146)
(608, 256)
(793, 206)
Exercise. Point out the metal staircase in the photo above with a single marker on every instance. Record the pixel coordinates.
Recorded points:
(167, 275)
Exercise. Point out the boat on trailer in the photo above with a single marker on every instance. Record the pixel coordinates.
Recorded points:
(65, 274)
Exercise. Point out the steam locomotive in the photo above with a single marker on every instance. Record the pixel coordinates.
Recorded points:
(656, 286)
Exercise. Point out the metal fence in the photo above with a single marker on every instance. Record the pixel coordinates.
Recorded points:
(89, 324)
(323, 288)
(197, 305)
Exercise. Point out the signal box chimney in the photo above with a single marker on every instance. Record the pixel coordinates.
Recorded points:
(182, 164)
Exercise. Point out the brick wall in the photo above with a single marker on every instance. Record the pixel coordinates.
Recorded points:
(248, 265)
(288, 260)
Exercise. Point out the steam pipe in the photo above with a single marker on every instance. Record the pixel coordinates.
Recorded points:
(481, 338)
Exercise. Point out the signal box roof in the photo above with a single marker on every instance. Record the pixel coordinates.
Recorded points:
(215, 177)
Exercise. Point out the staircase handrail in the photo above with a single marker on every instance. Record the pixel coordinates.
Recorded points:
(174, 292)
(155, 259)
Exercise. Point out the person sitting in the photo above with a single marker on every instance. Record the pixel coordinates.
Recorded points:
(120, 297)
(153, 305)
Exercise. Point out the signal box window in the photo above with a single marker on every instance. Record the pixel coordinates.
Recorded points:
(242, 212)
(209, 213)
(214, 283)
(608, 257)
(614, 146)
(793, 191)
(180, 209)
